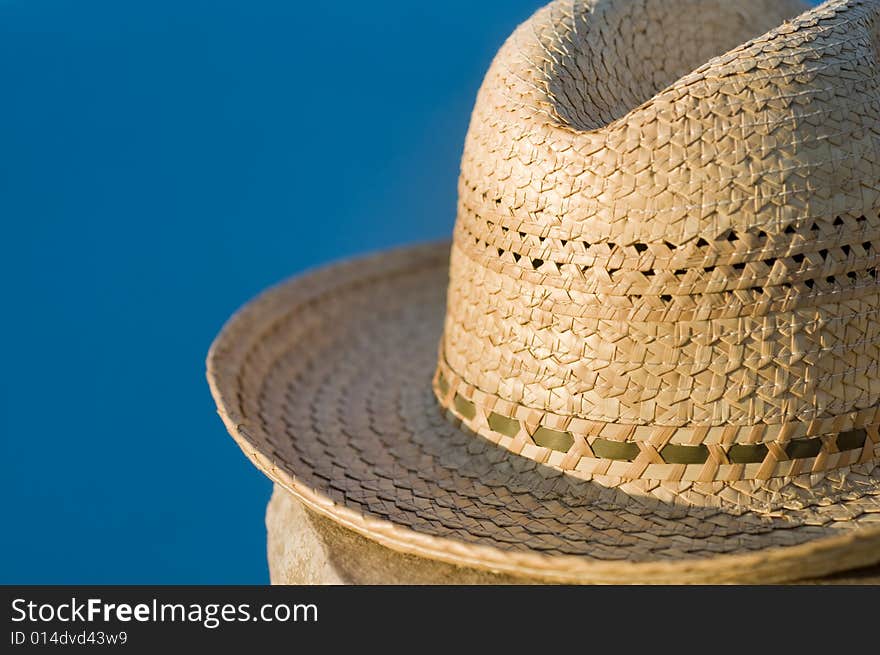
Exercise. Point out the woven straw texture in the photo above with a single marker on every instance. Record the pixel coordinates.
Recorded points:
(325, 384)
(658, 361)
(683, 289)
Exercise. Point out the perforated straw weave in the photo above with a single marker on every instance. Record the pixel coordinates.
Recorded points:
(683, 291)
(659, 360)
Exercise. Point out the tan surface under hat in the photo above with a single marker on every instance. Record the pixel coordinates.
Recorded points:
(660, 360)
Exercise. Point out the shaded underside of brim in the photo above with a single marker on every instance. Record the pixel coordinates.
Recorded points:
(325, 383)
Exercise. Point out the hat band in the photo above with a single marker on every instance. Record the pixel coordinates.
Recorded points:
(594, 449)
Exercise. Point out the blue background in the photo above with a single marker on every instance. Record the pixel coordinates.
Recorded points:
(160, 163)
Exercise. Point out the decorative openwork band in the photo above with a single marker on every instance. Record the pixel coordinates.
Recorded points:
(591, 449)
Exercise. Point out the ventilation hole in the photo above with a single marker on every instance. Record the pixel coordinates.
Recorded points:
(537, 263)
(861, 219)
(762, 234)
(542, 239)
(680, 271)
(838, 221)
(866, 246)
(504, 229)
(625, 451)
(845, 250)
(497, 201)
(611, 246)
(799, 258)
(708, 269)
(823, 253)
(612, 271)
(810, 283)
(814, 227)
(872, 272)
(564, 243)
(738, 267)
(759, 290)
(830, 279)
(516, 256)
(732, 237)
(671, 246)
(649, 273)
(786, 285)
(789, 229)
(803, 448)
(747, 453)
(522, 235)
(665, 297)
(851, 439)
(702, 243)
(641, 247)
(852, 275)
(500, 252)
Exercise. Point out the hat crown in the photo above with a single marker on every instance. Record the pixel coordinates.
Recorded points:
(661, 270)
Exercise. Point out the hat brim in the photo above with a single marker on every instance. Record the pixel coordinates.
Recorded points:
(325, 383)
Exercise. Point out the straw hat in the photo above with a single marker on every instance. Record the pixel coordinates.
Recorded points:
(660, 357)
